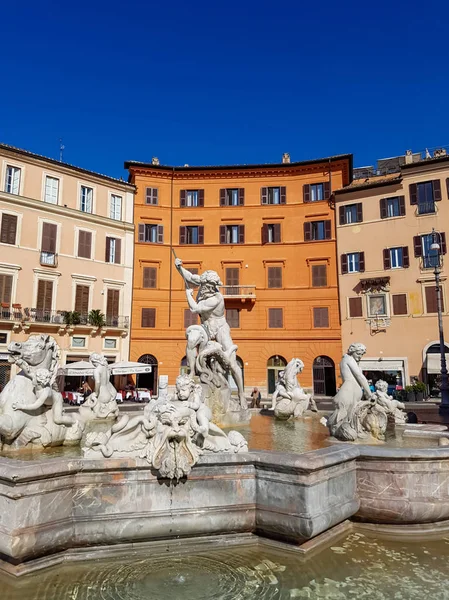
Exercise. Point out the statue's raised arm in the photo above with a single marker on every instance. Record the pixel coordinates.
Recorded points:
(187, 275)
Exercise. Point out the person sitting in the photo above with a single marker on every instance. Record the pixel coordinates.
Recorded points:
(255, 398)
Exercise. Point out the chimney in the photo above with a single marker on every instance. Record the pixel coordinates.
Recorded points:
(286, 157)
(155, 161)
(408, 157)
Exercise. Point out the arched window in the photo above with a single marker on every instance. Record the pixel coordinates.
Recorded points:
(274, 365)
(183, 368)
(148, 380)
(324, 376)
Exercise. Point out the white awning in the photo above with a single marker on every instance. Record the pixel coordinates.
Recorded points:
(128, 368)
(78, 369)
(434, 363)
(381, 365)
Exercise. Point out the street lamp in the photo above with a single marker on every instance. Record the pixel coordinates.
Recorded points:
(435, 260)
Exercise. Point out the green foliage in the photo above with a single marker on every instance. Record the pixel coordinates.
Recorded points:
(420, 387)
(72, 317)
(96, 318)
(409, 389)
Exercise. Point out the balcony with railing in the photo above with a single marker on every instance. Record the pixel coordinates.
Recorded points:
(239, 291)
(426, 208)
(48, 259)
(27, 316)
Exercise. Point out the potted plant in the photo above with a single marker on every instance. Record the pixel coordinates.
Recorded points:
(410, 392)
(72, 317)
(420, 389)
(96, 318)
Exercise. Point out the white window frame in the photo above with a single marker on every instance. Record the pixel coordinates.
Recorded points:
(10, 165)
(349, 254)
(113, 206)
(47, 176)
(105, 347)
(348, 211)
(316, 186)
(394, 252)
(391, 199)
(274, 193)
(192, 198)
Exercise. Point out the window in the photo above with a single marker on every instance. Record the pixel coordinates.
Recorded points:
(48, 244)
(149, 277)
(116, 207)
(319, 276)
(232, 281)
(110, 343)
(3, 338)
(86, 195)
(8, 229)
(151, 195)
(355, 307)
(317, 230)
(82, 299)
(354, 262)
(148, 317)
(275, 318)
(51, 190)
(78, 342)
(44, 298)
(396, 258)
(351, 213)
(274, 277)
(233, 317)
(12, 180)
(113, 250)
(191, 198)
(316, 192)
(232, 234)
(271, 233)
(432, 300)
(400, 304)
(232, 197)
(421, 246)
(190, 318)
(320, 317)
(84, 244)
(424, 195)
(5, 289)
(273, 195)
(377, 305)
(151, 234)
(192, 234)
(112, 307)
(392, 207)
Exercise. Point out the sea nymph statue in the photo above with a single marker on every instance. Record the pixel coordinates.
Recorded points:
(289, 399)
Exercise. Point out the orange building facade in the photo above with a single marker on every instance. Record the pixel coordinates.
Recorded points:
(269, 232)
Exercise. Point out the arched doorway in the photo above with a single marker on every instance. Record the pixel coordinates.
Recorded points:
(324, 376)
(232, 383)
(432, 368)
(148, 380)
(274, 365)
(183, 367)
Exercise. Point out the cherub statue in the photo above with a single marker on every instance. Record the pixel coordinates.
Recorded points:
(394, 407)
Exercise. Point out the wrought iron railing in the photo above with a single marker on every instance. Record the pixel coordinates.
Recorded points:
(426, 208)
(56, 317)
(239, 291)
(49, 259)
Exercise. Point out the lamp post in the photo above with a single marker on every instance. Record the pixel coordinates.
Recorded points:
(436, 261)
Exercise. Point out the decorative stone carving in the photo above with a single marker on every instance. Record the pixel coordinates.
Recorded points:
(289, 399)
(102, 401)
(394, 408)
(31, 407)
(354, 418)
(171, 434)
(210, 351)
(162, 387)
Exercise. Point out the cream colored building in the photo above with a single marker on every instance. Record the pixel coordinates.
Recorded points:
(386, 283)
(66, 244)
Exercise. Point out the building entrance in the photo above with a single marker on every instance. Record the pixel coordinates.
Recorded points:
(324, 376)
(148, 380)
(274, 365)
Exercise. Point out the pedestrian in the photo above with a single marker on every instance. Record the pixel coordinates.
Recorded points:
(255, 398)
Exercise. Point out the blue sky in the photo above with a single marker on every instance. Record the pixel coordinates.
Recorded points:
(223, 83)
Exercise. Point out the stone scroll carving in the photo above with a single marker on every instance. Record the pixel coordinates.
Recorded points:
(289, 399)
(171, 434)
(210, 351)
(31, 406)
(359, 412)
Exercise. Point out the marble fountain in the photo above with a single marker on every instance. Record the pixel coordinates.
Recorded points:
(165, 503)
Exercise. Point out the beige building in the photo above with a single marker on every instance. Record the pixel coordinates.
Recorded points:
(66, 249)
(386, 281)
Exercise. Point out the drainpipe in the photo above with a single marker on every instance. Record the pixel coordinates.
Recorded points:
(171, 247)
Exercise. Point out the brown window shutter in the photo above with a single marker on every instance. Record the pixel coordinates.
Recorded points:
(361, 262)
(112, 303)
(275, 277)
(431, 299)
(283, 196)
(200, 197)
(265, 233)
(277, 233)
(183, 235)
(275, 318)
(400, 304)
(328, 230)
(387, 260)
(264, 195)
(155, 195)
(8, 229)
(84, 244)
(341, 212)
(383, 208)
(417, 245)
(344, 264)
(201, 234)
(447, 186)
(241, 196)
(5, 289)
(320, 317)
(151, 195)
(150, 277)
(307, 231)
(49, 237)
(108, 249)
(160, 234)
(402, 205)
(413, 191)
(443, 243)
(319, 276)
(141, 237)
(44, 295)
(437, 196)
(241, 234)
(148, 195)
(222, 234)
(118, 251)
(355, 307)
(182, 197)
(233, 317)
(306, 193)
(148, 317)
(405, 257)
(359, 212)
(327, 192)
(222, 197)
(82, 299)
(232, 276)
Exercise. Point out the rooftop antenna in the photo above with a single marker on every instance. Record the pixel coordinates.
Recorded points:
(61, 150)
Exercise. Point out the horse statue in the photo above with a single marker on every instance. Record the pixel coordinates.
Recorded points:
(289, 399)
